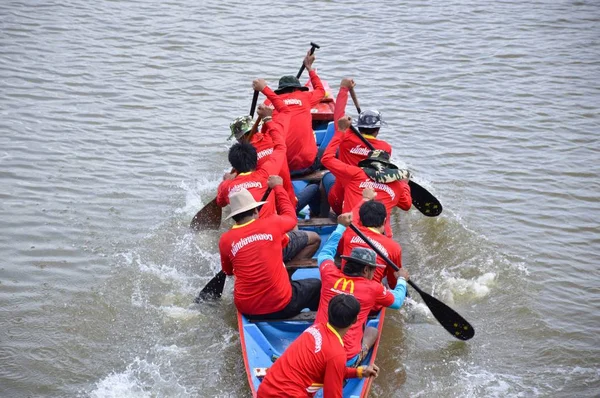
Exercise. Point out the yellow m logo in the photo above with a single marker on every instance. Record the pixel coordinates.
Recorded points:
(345, 282)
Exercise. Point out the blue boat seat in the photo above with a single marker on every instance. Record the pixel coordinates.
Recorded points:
(324, 136)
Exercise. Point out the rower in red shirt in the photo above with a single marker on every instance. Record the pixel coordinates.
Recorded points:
(244, 159)
(352, 149)
(372, 215)
(317, 359)
(300, 139)
(375, 172)
(263, 144)
(356, 279)
(252, 251)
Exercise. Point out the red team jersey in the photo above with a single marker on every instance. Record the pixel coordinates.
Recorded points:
(369, 294)
(265, 146)
(252, 252)
(256, 181)
(315, 360)
(388, 246)
(352, 149)
(300, 139)
(355, 180)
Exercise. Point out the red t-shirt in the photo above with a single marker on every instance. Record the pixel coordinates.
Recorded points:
(388, 246)
(369, 294)
(315, 360)
(352, 149)
(355, 180)
(264, 149)
(300, 139)
(256, 181)
(252, 252)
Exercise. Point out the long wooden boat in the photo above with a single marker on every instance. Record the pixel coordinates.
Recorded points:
(265, 341)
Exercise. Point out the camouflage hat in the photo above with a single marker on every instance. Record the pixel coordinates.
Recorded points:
(289, 82)
(380, 156)
(379, 168)
(240, 126)
(363, 256)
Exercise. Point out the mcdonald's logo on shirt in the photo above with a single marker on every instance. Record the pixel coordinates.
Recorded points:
(345, 283)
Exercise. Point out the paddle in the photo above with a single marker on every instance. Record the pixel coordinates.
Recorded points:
(253, 106)
(455, 324)
(355, 100)
(209, 217)
(214, 288)
(424, 201)
(313, 46)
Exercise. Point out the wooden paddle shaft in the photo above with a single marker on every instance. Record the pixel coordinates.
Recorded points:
(355, 100)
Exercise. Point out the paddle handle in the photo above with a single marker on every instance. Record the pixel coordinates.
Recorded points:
(313, 47)
(253, 106)
(355, 100)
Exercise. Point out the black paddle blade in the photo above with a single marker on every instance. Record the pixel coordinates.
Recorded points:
(209, 217)
(425, 202)
(214, 289)
(455, 324)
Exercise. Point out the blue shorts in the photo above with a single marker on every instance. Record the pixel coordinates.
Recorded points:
(328, 181)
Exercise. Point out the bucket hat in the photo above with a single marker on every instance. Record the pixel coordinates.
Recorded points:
(377, 155)
(240, 126)
(379, 168)
(289, 82)
(241, 201)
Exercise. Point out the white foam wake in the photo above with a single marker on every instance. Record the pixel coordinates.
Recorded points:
(140, 379)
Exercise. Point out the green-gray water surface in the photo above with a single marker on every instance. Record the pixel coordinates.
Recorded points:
(113, 120)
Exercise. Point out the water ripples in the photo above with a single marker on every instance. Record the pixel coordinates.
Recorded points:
(114, 124)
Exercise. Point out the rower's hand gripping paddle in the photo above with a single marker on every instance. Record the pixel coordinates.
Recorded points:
(313, 47)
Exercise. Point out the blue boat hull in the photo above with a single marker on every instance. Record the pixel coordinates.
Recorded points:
(263, 342)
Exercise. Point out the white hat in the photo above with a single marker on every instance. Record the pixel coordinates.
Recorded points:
(241, 201)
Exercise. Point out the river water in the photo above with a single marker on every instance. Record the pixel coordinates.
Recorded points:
(114, 116)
